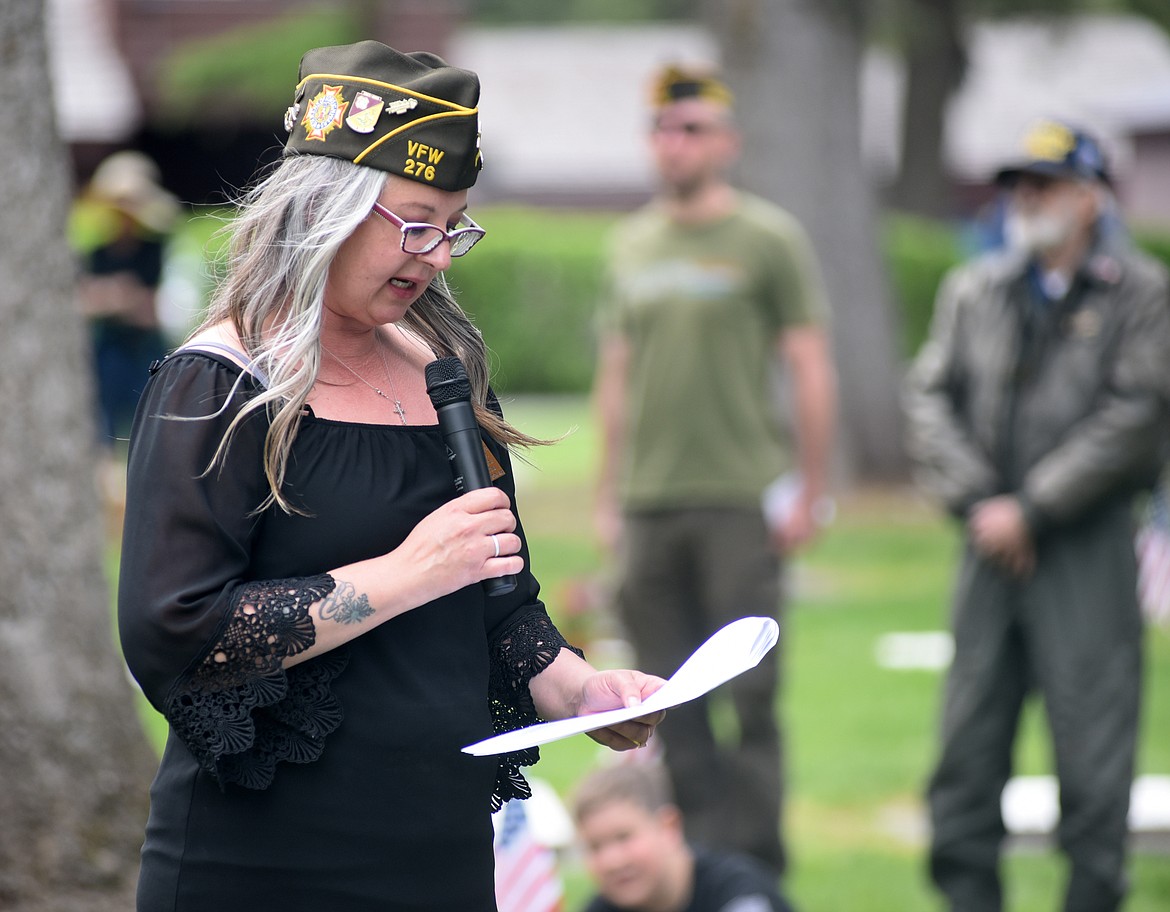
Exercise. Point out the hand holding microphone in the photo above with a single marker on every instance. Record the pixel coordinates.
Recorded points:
(450, 393)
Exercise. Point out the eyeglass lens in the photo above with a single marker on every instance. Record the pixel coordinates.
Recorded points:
(422, 237)
(425, 238)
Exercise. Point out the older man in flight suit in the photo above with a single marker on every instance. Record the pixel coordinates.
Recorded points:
(1036, 415)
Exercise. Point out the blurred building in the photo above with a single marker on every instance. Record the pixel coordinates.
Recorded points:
(564, 110)
(201, 85)
(1109, 74)
(95, 98)
(1147, 178)
(579, 95)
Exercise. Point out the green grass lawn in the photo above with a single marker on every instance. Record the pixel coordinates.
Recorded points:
(860, 738)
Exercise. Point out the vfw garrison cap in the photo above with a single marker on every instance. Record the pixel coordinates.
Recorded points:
(407, 114)
(1054, 149)
(675, 83)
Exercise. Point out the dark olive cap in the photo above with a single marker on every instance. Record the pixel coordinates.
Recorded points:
(675, 83)
(406, 114)
(1057, 150)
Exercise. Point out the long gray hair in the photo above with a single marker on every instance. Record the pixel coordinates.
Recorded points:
(282, 242)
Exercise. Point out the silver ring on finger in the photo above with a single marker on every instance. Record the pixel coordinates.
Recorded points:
(496, 543)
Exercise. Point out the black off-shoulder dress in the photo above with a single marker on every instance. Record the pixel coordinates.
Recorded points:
(338, 785)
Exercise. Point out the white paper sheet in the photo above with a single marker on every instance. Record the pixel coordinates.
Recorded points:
(729, 652)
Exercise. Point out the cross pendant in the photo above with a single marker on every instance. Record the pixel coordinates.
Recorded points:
(400, 410)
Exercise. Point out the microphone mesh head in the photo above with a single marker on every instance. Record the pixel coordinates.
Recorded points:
(447, 381)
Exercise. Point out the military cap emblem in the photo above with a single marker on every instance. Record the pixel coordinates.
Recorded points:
(363, 113)
(324, 112)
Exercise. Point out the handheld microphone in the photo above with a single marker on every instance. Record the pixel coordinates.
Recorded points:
(450, 393)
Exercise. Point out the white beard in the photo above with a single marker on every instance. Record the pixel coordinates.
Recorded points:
(1033, 234)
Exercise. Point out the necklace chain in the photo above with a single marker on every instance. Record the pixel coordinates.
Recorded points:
(397, 402)
(386, 367)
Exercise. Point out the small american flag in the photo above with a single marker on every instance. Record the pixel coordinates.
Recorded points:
(526, 871)
(1153, 551)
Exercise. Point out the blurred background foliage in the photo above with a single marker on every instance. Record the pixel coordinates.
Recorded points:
(534, 285)
(247, 68)
(509, 11)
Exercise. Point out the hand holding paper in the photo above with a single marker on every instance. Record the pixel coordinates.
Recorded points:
(727, 653)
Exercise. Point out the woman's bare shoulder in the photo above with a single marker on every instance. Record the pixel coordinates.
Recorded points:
(220, 337)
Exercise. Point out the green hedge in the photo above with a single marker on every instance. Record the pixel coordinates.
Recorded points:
(534, 283)
(1156, 243)
(532, 286)
(919, 251)
(249, 68)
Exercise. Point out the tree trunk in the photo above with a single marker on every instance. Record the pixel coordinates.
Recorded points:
(794, 67)
(935, 64)
(74, 765)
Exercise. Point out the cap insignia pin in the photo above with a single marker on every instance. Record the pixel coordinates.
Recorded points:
(291, 115)
(401, 105)
(324, 112)
(1105, 268)
(1085, 323)
(363, 113)
(1050, 142)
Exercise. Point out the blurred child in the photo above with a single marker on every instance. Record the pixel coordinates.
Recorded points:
(635, 851)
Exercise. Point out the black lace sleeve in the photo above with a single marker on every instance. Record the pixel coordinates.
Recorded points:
(521, 651)
(238, 710)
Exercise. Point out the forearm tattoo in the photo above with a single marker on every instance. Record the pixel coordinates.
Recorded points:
(345, 605)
